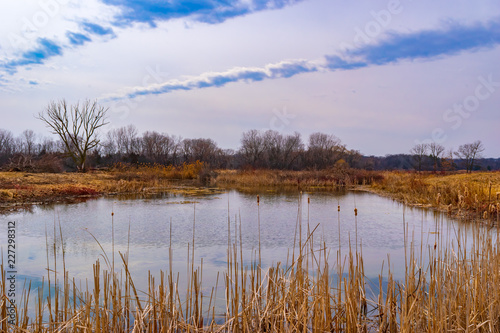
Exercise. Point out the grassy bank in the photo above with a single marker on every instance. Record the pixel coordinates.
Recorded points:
(20, 188)
(474, 195)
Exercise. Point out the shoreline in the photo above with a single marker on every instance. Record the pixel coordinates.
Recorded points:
(463, 196)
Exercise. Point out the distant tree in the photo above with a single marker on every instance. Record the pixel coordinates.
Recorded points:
(447, 163)
(6, 142)
(122, 141)
(159, 147)
(76, 126)
(281, 150)
(324, 150)
(252, 148)
(203, 150)
(469, 153)
(436, 150)
(418, 152)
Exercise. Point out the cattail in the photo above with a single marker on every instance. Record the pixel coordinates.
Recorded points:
(338, 208)
(258, 199)
(355, 212)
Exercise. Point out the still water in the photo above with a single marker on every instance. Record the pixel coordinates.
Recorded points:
(147, 227)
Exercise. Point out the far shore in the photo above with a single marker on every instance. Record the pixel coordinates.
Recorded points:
(473, 195)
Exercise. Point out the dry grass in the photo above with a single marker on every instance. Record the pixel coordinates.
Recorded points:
(22, 188)
(336, 178)
(474, 195)
(456, 290)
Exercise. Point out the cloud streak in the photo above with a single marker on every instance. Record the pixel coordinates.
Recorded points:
(393, 48)
(284, 69)
(425, 44)
(143, 11)
(208, 11)
(44, 50)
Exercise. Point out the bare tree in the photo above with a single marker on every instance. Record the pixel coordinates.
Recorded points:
(6, 142)
(158, 147)
(324, 150)
(252, 147)
(76, 126)
(419, 151)
(122, 141)
(436, 150)
(28, 138)
(203, 150)
(469, 153)
(281, 150)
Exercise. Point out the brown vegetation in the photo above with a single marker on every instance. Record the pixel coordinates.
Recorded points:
(337, 177)
(19, 188)
(476, 195)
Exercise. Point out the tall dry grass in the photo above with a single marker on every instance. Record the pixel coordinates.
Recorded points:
(329, 178)
(474, 196)
(456, 289)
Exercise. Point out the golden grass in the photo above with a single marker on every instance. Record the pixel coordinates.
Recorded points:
(339, 177)
(476, 195)
(22, 187)
(457, 290)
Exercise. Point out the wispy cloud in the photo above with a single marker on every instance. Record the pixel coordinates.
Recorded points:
(97, 29)
(132, 11)
(282, 69)
(393, 48)
(209, 11)
(425, 44)
(77, 38)
(44, 50)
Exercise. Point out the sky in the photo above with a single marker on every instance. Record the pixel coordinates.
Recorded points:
(382, 76)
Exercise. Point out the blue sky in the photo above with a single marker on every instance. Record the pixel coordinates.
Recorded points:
(380, 75)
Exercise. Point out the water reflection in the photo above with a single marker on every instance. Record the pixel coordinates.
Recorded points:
(146, 225)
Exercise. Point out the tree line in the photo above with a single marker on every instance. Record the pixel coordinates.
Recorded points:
(79, 146)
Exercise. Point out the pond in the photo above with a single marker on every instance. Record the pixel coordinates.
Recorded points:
(148, 227)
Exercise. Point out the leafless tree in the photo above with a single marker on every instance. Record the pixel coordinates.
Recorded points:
(324, 150)
(419, 151)
(28, 139)
(469, 153)
(6, 142)
(203, 150)
(122, 141)
(280, 150)
(436, 150)
(252, 147)
(158, 147)
(76, 126)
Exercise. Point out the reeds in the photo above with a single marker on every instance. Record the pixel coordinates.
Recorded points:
(328, 178)
(467, 196)
(447, 287)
